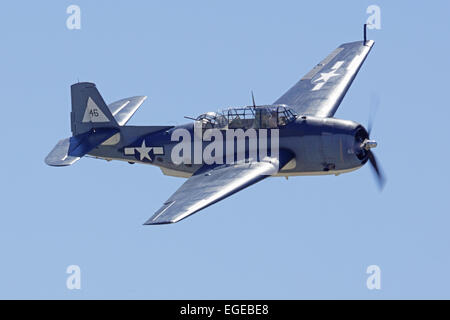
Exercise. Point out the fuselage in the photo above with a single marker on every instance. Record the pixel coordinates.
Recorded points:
(318, 146)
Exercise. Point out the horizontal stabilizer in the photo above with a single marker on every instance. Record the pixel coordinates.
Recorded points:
(124, 109)
(70, 150)
(59, 156)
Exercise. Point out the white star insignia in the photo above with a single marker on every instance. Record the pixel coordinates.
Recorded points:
(143, 151)
(326, 76)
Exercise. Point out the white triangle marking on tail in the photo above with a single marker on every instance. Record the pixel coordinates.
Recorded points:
(93, 113)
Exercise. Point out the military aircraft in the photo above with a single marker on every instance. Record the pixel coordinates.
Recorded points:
(221, 153)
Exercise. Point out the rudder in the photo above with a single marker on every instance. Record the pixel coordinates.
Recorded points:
(89, 110)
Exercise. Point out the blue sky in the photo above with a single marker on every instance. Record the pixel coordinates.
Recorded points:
(306, 237)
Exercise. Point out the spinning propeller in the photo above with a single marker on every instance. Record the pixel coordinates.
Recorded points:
(368, 144)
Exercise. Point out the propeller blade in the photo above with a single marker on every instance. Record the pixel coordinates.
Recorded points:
(253, 99)
(381, 180)
(369, 126)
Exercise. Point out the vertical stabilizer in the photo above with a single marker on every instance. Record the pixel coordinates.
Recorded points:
(89, 110)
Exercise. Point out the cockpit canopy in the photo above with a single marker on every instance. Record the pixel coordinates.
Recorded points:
(257, 117)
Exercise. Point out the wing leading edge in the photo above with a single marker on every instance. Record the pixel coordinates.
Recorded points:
(211, 184)
(320, 92)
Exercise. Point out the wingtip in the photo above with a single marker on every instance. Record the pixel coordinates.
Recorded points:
(369, 43)
(154, 223)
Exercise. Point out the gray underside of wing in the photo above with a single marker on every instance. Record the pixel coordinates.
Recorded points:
(209, 185)
(123, 109)
(320, 92)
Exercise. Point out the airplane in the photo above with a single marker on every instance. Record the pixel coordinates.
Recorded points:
(221, 153)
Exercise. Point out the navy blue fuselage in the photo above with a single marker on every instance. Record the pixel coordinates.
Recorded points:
(318, 145)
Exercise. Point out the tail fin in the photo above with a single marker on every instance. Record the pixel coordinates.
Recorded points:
(92, 123)
(89, 110)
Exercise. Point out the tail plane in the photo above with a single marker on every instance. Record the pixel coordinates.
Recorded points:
(92, 123)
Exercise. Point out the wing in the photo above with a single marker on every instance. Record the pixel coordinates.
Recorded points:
(321, 90)
(124, 109)
(212, 184)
